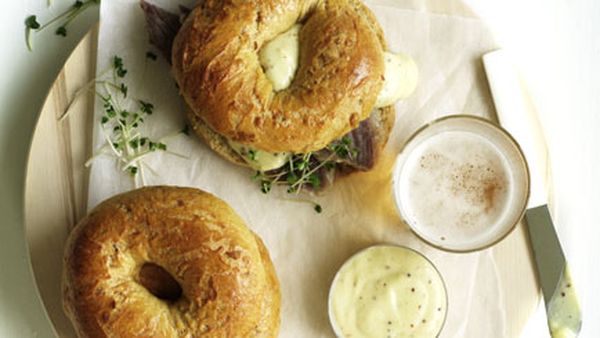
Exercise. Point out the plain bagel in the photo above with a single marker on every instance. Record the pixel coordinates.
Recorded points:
(216, 64)
(168, 262)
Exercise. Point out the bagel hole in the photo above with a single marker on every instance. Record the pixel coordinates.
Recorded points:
(159, 282)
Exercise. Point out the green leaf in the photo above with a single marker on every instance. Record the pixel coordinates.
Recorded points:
(252, 154)
(104, 119)
(146, 107)
(132, 170)
(117, 61)
(291, 178)
(265, 186)
(62, 31)
(303, 164)
(134, 143)
(318, 208)
(314, 181)
(31, 22)
(110, 109)
(257, 175)
(123, 89)
(119, 67)
(162, 146)
(78, 4)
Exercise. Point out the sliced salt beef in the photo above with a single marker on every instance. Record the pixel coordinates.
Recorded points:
(362, 146)
(369, 140)
(162, 27)
(362, 140)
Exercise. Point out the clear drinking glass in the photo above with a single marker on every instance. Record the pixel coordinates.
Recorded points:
(461, 183)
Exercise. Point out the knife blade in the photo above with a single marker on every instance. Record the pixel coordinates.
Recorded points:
(562, 305)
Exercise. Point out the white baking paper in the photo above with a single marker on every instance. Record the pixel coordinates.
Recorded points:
(308, 248)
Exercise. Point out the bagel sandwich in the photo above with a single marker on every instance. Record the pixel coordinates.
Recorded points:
(300, 91)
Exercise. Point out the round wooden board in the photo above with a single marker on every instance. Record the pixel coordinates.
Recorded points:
(56, 180)
(56, 195)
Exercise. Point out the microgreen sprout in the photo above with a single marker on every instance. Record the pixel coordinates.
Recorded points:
(122, 116)
(305, 171)
(251, 154)
(63, 19)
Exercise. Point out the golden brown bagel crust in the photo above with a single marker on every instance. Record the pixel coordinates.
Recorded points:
(340, 73)
(228, 281)
(216, 142)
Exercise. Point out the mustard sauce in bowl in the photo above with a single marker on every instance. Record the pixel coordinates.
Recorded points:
(387, 291)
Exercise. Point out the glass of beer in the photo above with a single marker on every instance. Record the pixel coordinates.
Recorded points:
(461, 183)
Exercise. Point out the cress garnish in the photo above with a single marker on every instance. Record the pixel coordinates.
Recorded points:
(65, 18)
(304, 171)
(120, 123)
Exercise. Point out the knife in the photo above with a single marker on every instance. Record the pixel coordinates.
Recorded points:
(562, 305)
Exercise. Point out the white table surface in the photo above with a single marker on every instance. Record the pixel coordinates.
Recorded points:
(557, 47)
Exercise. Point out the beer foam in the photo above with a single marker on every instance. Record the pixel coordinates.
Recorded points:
(455, 189)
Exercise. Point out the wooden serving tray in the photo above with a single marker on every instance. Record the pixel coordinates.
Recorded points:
(57, 189)
(56, 184)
